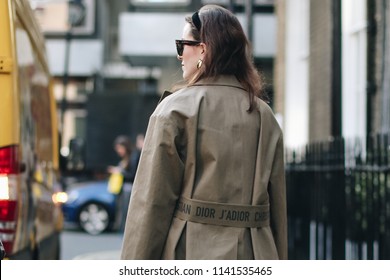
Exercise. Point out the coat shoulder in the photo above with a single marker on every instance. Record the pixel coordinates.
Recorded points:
(183, 102)
(268, 115)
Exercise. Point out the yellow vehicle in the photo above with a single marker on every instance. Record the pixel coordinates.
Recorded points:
(30, 218)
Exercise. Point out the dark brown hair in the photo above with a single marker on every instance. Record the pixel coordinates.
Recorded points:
(228, 50)
(125, 142)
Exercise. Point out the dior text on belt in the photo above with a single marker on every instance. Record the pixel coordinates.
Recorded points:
(223, 214)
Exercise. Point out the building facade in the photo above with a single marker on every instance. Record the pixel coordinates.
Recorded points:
(123, 52)
(332, 69)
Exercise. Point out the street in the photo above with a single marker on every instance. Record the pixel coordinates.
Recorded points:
(76, 244)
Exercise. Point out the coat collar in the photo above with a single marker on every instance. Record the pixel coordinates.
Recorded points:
(223, 80)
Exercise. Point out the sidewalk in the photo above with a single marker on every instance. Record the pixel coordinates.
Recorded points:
(102, 255)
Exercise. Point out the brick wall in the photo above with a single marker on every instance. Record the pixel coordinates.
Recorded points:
(320, 74)
(381, 99)
(279, 62)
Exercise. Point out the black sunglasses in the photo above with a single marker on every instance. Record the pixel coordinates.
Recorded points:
(180, 45)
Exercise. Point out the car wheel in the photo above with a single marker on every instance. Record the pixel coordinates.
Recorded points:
(94, 218)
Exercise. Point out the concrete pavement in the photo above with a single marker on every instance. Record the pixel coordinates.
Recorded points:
(102, 255)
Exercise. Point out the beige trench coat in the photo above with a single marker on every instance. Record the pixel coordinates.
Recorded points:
(201, 143)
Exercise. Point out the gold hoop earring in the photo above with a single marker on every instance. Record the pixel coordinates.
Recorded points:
(199, 64)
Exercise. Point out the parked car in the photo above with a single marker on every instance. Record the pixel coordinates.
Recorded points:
(30, 216)
(92, 207)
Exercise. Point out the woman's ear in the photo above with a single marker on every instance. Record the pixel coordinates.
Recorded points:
(203, 48)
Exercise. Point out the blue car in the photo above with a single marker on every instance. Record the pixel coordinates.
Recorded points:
(91, 206)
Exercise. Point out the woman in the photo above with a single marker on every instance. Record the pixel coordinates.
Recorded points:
(123, 148)
(210, 183)
(121, 179)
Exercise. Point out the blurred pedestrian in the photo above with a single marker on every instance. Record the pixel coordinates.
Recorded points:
(121, 179)
(210, 183)
(136, 154)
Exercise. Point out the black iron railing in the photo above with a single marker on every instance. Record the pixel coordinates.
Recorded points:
(338, 195)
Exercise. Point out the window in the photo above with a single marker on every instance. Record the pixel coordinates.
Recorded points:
(354, 72)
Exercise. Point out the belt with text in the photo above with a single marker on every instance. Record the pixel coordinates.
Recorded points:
(222, 214)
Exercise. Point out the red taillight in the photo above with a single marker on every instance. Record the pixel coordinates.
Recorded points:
(7, 211)
(9, 160)
(9, 164)
(8, 214)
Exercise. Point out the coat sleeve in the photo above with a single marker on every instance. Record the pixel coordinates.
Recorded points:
(278, 205)
(155, 191)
